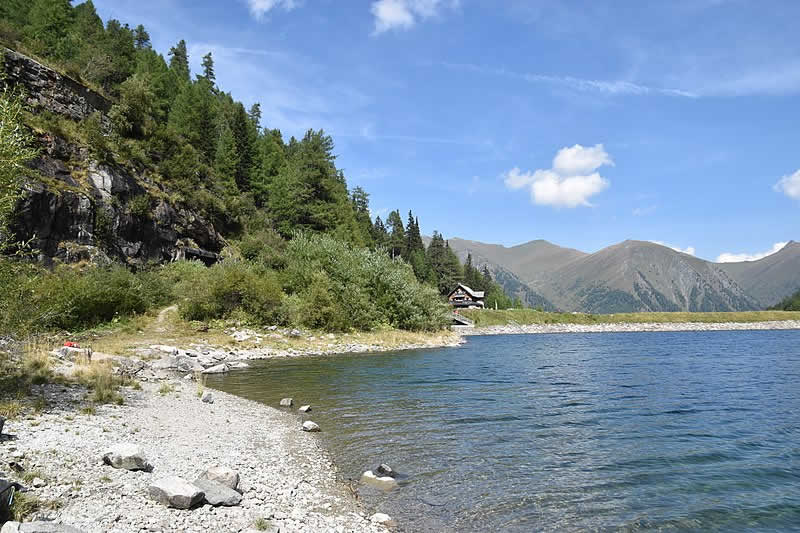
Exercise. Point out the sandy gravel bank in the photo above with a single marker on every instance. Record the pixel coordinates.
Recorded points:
(287, 479)
(629, 327)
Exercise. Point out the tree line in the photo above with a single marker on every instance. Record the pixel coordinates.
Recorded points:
(211, 151)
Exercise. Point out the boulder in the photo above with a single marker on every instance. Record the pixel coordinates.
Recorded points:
(176, 492)
(38, 527)
(295, 333)
(217, 494)
(308, 425)
(71, 353)
(167, 362)
(207, 397)
(385, 470)
(219, 369)
(2, 423)
(223, 475)
(171, 350)
(381, 482)
(305, 409)
(286, 402)
(187, 364)
(127, 456)
(383, 519)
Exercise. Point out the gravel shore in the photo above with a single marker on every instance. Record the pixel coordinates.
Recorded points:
(287, 479)
(629, 327)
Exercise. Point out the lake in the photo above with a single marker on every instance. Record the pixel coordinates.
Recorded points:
(614, 431)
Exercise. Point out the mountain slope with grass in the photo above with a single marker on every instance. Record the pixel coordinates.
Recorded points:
(769, 279)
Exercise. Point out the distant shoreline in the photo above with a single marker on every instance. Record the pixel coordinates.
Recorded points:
(628, 327)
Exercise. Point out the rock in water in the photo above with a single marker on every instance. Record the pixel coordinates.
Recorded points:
(37, 527)
(126, 456)
(175, 492)
(207, 397)
(305, 409)
(223, 475)
(286, 402)
(219, 369)
(383, 519)
(382, 482)
(218, 494)
(308, 425)
(385, 470)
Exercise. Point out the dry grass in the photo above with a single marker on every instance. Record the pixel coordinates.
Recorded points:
(490, 317)
(98, 376)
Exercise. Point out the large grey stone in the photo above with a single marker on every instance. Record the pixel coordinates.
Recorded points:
(286, 402)
(207, 397)
(218, 494)
(308, 425)
(383, 519)
(219, 369)
(187, 364)
(223, 475)
(127, 456)
(38, 527)
(305, 409)
(176, 492)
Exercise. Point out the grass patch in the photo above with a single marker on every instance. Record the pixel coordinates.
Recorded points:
(261, 524)
(25, 504)
(98, 376)
(165, 388)
(491, 317)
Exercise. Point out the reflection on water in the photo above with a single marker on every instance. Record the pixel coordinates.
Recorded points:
(630, 431)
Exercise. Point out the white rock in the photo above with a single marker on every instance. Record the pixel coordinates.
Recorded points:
(383, 519)
(171, 350)
(308, 425)
(305, 408)
(207, 397)
(38, 483)
(224, 475)
(176, 492)
(219, 369)
(217, 494)
(286, 402)
(126, 456)
(382, 482)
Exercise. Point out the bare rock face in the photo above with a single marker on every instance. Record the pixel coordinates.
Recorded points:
(176, 492)
(83, 211)
(127, 456)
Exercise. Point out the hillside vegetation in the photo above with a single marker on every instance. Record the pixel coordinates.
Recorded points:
(302, 248)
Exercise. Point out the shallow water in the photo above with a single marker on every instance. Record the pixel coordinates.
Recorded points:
(629, 431)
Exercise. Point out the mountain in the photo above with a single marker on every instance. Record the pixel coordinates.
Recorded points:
(770, 279)
(637, 276)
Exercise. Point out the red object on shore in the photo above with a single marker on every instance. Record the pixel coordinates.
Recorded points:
(70, 344)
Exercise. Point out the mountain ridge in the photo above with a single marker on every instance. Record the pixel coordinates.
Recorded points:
(638, 275)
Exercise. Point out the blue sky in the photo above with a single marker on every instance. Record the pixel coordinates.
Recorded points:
(583, 123)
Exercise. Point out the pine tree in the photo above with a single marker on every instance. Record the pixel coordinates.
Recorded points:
(226, 159)
(245, 135)
(380, 237)
(208, 68)
(194, 115)
(141, 38)
(179, 61)
(48, 25)
(255, 114)
(270, 157)
(397, 237)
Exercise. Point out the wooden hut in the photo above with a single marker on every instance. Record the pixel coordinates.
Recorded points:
(462, 297)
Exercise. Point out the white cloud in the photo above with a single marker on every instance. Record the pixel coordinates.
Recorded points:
(688, 250)
(610, 87)
(261, 7)
(571, 181)
(790, 185)
(736, 258)
(403, 14)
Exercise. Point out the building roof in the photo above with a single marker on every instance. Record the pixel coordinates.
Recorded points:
(474, 294)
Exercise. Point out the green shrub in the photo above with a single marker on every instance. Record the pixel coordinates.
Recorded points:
(231, 286)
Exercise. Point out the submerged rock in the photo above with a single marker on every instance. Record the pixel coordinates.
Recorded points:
(223, 475)
(382, 482)
(217, 494)
(176, 492)
(127, 457)
(385, 470)
(383, 519)
(308, 425)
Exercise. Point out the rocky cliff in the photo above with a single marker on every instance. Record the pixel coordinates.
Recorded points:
(76, 208)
